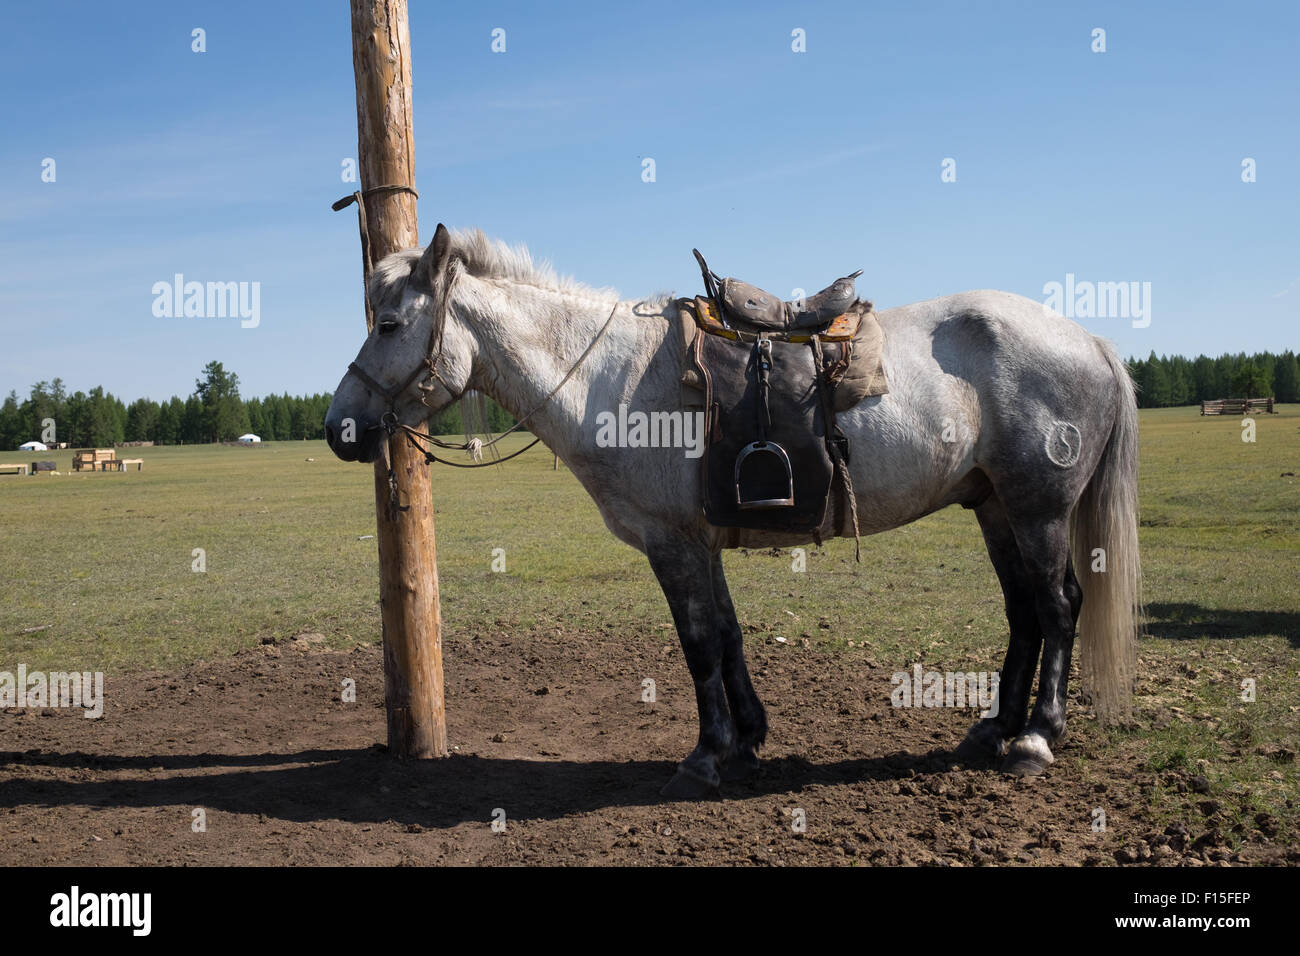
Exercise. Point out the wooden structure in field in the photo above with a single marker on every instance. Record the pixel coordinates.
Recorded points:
(1237, 406)
(102, 459)
(94, 459)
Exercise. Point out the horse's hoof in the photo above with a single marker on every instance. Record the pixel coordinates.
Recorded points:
(687, 785)
(1028, 756)
(983, 742)
(740, 766)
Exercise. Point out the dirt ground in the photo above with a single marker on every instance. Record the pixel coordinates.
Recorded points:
(549, 730)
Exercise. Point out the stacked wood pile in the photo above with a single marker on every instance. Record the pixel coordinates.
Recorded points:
(1237, 406)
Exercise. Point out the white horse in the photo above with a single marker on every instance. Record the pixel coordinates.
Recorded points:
(995, 403)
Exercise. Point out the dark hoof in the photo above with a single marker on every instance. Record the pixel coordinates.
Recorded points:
(740, 766)
(1028, 756)
(983, 742)
(686, 785)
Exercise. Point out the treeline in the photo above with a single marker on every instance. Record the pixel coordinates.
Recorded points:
(213, 412)
(1173, 380)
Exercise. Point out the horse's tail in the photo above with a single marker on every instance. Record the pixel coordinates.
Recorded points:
(1106, 518)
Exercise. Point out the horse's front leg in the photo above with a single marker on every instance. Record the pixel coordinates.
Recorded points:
(747, 712)
(684, 573)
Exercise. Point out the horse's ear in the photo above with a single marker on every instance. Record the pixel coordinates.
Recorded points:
(436, 254)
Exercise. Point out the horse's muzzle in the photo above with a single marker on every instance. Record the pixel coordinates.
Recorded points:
(354, 441)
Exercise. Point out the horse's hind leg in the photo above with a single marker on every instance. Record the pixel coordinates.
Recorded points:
(746, 709)
(684, 573)
(991, 736)
(1044, 547)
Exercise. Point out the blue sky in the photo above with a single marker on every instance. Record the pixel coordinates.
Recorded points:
(787, 168)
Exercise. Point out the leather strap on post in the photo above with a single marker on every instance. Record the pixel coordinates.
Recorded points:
(358, 197)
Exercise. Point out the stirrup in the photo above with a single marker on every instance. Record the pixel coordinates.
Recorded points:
(768, 480)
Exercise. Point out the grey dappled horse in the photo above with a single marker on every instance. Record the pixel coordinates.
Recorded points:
(995, 403)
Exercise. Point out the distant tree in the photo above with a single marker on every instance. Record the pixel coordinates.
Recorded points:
(167, 427)
(1286, 378)
(1180, 388)
(281, 417)
(253, 407)
(1266, 362)
(297, 418)
(1221, 381)
(1203, 379)
(1153, 382)
(74, 425)
(223, 411)
(13, 430)
(318, 417)
(47, 400)
(103, 426)
(1249, 381)
(141, 420)
(193, 430)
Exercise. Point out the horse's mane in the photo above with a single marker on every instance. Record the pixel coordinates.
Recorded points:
(484, 258)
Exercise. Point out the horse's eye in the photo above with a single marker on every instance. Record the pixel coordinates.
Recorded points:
(388, 325)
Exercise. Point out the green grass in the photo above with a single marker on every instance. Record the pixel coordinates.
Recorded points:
(106, 558)
(103, 561)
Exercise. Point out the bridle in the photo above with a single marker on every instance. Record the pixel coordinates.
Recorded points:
(428, 369)
(429, 366)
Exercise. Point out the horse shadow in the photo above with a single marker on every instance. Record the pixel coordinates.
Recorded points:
(1182, 621)
(367, 787)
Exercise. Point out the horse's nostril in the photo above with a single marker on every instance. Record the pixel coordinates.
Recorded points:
(329, 435)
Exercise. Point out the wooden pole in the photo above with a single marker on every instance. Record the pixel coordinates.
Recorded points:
(408, 568)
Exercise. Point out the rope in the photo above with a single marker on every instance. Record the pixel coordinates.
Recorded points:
(415, 437)
(466, 446)
(358, 197)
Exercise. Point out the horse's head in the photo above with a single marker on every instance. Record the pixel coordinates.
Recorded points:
(410, 365)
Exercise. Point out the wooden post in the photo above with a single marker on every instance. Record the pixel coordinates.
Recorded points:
(408, 569)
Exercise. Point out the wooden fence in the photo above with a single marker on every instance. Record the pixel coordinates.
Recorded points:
(1237, 406)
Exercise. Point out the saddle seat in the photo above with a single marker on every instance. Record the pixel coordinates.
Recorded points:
(744, 305)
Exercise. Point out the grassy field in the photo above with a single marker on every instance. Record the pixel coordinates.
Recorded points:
(97, 572)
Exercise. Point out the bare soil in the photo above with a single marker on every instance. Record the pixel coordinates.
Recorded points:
(550, 732)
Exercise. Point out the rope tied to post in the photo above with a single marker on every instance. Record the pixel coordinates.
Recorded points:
(359, 197)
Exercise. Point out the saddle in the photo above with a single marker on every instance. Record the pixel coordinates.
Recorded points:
(771, 373)
(748, 306)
